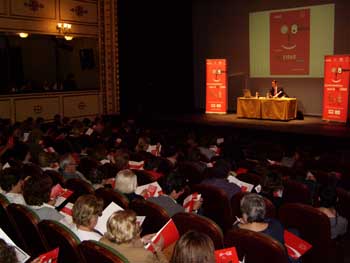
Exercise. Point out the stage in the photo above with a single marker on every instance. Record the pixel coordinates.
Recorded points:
(308, 126)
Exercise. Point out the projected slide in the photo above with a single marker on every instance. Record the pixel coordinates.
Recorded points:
(291, 42)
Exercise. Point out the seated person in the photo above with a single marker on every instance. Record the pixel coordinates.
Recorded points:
(126, 183)
(7, 253)
(328, 200)
(253, 218)
(123, 235)
(277, 92)
(173, 188)
(11, 181)
(193, 247)
(68, 168)
(36, 193)
(86, 210)
(217, 176)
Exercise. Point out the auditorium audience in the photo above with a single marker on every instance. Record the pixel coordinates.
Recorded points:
(123, 235)
(193, 247)
(85, 213)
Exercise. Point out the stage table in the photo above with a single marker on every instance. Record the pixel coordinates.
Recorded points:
(267, 108)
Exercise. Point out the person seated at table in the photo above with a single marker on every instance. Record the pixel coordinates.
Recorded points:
(277, 92)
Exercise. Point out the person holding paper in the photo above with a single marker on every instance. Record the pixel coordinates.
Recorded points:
(173, 188)
(123, 235)
(275, 91)
(36, 193)
(193, 247)
(86, 211)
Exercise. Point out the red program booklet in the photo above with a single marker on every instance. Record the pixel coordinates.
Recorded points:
(226, 255)
(169, 233)
(49, 257)
(296, 246)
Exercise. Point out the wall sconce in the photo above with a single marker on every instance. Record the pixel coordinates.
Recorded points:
(23, 35)
(64, 29)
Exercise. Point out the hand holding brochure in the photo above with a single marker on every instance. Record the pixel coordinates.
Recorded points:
(136, 165)
(49, 257)
(60, 194)
(189, 201)
(153, 190)
(245, 187)
(168, 232)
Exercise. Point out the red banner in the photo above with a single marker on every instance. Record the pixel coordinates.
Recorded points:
(216, 99)
(290, 42)
(336, 88)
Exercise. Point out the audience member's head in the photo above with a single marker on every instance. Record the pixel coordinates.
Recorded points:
(253, 208)
(174, 185)
(121, 159)
(126, 181)
(328, 197)
(86, 210)
(68, 164)
(11, 180)
(142, 144)
(122, 227)
(36, 190)
(194, 247)
(7, 253)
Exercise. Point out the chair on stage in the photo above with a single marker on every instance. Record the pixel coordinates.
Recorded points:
(187, 221)
(97, 252)
(109, 195)
(255, 247)
(156, 216)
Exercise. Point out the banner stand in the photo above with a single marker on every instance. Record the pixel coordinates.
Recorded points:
(216, 86)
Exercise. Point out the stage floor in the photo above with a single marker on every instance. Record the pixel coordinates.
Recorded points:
(310, 125)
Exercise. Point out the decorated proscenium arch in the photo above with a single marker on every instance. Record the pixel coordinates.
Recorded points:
(290, 42)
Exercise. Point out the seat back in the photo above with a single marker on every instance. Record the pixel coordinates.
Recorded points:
(97, 252)
(5, 223)
(295, 192)
(109, 195)
(58, 235)
(255, 247)
(26, 222)
(79, 187)
(216, 205)
(236, 206)
(188, 221)
(156, 216)
(314, 227)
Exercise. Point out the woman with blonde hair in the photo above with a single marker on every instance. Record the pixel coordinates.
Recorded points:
(126, 183)
(86, 211)
(123, 235)
(194, 247)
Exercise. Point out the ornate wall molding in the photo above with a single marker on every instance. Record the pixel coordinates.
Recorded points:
(109, 58)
